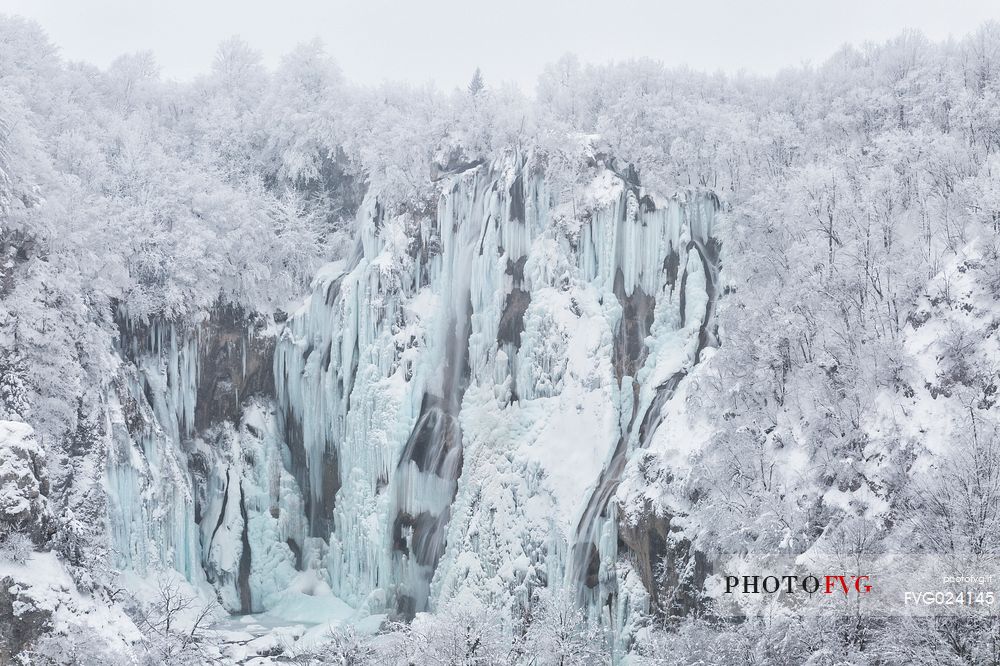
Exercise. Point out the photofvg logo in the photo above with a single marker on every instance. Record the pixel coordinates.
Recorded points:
(808, 584)
(887, 584)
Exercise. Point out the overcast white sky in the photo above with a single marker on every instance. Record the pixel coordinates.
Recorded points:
(444, 40)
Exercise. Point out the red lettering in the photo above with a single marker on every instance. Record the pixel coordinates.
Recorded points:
(831, 582)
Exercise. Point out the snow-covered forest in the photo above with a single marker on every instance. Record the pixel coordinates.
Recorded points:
(296, 370)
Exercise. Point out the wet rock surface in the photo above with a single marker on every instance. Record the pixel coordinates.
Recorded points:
(234, 364)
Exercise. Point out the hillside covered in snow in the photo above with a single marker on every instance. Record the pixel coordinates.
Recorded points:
(294, 370)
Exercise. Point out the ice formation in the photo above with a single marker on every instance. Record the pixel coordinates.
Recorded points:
(452, 410)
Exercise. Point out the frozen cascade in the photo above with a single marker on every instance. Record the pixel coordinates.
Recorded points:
(489, 336)
(151, 513)
(383, 376)
(195, 470)
(688, 237)
(371, 373)
(252, 522)
(428, 471)
(339, 379)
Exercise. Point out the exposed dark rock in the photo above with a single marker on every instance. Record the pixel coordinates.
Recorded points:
(331, 486)
(406, 607)
(646, 543)
(629, 175)
(517, 199)
(222, 511)
(633, 328)
(512, 319)
(233, 365)
(332, 291)
(708, 335)
(516, 304)
(319, 506)
(918, 318)
(671, 264)
(654, 413)
(243, 575)
(378, 216)
(399, 537)
(22, 622)
(672, 572)
(135, 420)
(592, 577)
(516, 270)
(455, 164)
(412, 535)
(597, 507)
(435, 438)
(296, 551)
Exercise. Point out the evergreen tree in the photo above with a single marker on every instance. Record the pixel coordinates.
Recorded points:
(477, 84)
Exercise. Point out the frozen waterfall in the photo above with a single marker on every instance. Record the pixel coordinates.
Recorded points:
(503, 331)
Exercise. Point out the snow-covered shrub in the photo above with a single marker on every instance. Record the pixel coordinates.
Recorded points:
(15, 547)
(75, 645)
(464, 633)
(558, 633)
(80, 541)
(991, 265)
(956, 507)
(346, 647)
(958, 348)
(174, 625)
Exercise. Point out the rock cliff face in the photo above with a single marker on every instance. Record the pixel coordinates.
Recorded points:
(449, 412)
(21, 621)
(24, 485)
(24, 515)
